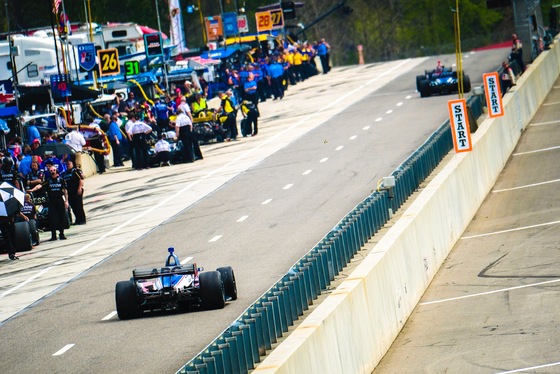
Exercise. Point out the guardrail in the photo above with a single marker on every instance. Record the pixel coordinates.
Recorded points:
(246, 340)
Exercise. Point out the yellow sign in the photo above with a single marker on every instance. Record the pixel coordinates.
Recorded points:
(108, 61)
(264, 21)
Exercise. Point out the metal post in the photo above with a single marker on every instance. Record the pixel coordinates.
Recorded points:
(164, 62)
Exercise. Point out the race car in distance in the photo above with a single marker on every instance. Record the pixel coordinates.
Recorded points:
(441, 82)
(174, 287)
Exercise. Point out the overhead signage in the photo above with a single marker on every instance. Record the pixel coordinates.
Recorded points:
(214, 28)
(242, 24)
(131, 68)
(60, 86)
(460, 128)
(229, 21)
(493, 94)
(277, 18)
(108, 61)
(86, 51)
(153, 45)
(264, 21)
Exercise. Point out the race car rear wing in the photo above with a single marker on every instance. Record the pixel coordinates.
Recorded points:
(139, 274)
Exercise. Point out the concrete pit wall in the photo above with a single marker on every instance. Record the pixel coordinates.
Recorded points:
(353, 329)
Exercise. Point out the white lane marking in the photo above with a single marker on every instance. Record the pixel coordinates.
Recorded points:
(242, 218)
(489, 292)
(339, 148)
(353, 137)
(307, 172)
(324, 159)
(378, 119)
(530, 368)
(526, 186)
(215, 238)
(536, 151)
(288, 186)
(366, 128)
(408, 97)
(552, 103)
(544, 123)
(28, 280)
(266, 201)
(227, 166)
(511, 230)
(186, 260)
(109, 316)
(399, 103)
(63, 349)
(60, 262)
(389, 111)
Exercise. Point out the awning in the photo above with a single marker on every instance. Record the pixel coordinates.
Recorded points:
(221, 52)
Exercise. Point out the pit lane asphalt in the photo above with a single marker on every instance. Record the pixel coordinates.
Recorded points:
(135, 215)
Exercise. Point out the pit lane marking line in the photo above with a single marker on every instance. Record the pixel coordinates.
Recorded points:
(530, 368)
(228, 165)
(339, 148)
(186, 260)
(544, 123)
(215, 238)
(551, 103)
(109, 316)
(400, 102)
(489, 292)
(408, 97)
(511, 230)
(288, 186)
(63, 349)
(266, 201)
(243, 218)
(324, 159)
(389, 111)
(307, 172)
(378, 119)
(526, 186)
(366, 128)
(536, 151)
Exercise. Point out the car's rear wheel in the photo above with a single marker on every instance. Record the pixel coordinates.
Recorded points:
(228, 277)
(424, 88)
(419, 78)
(211, 290)
(22, 240)
(126, 300)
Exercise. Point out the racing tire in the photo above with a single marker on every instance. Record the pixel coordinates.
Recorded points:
(35, 238)
(424, 88)
(228, 278)
(126, 300)
(22, 239)
(466, 83)
(211, 290)
(419, 78)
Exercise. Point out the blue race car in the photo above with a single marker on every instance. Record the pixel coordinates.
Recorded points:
(174, 287)
(441, 82)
